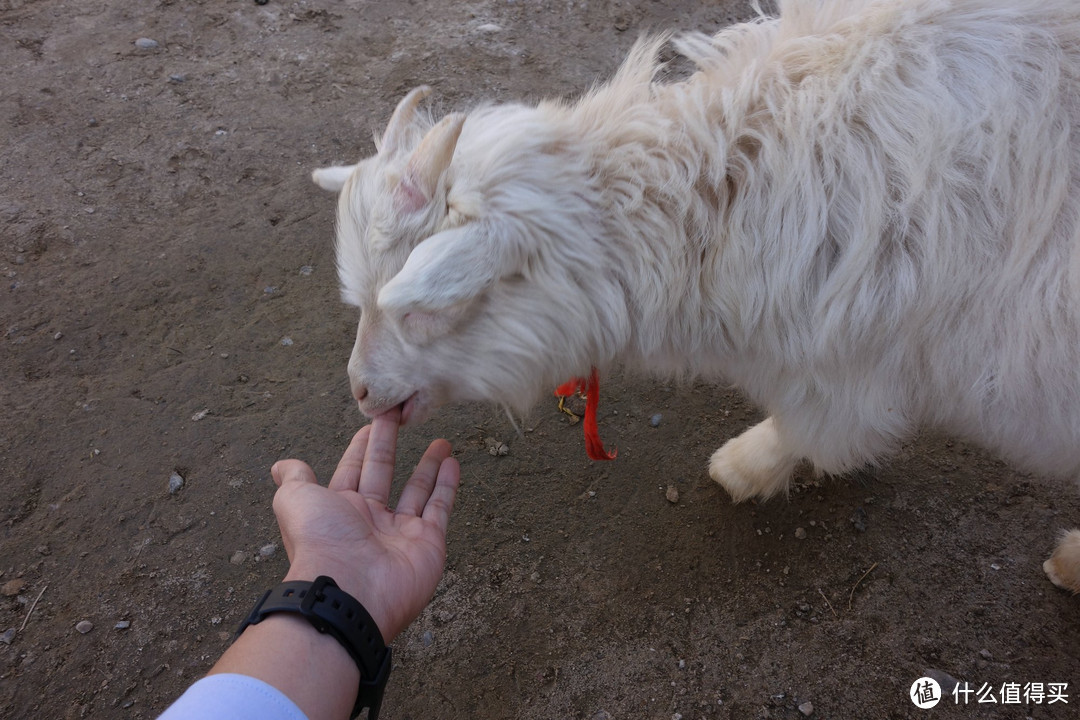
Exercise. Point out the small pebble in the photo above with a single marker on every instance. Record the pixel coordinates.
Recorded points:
(858, 519)
(84, 626)
(176, 483)
(122, 625)
(800, 533)
(286, 341)
(306, 270)
(8, 636)
(12, 587)
(655, 420)
(985, 654)
(177, 78)
(489, 28)
(807, 708)
(200, 415)
(238, 557)
(427, 638)
(947, 682)
(672, 494)
(268, 550)
(146, 43)
(57, 336)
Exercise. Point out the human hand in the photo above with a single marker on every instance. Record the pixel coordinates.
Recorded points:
(389, 560)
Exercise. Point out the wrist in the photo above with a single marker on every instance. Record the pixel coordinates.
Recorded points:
(347, 579)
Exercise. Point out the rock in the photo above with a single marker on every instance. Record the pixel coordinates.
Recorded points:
(489, 28)
(655, 420)
(177, 78)
(672, 494)
(84, 626)
(176, 483)
(947, 682)
(8, 636)
(268, 550)
(306, 270)
(122, 625)
(427, 638)
(806, 708)
(12, 587)
(858, 519)
(146, 44)
(238, 557)
(800, 533)
(985, 654)
(200, 415)
(286, 341)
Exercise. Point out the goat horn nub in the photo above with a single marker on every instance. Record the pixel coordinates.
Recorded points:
(402, 118)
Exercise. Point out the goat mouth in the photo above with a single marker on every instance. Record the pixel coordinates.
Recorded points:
(410, 413)
(414, 409)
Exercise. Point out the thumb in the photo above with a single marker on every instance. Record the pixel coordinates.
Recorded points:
(292, 471)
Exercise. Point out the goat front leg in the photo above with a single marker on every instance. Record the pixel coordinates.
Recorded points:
(754, 464)
(1063, 567)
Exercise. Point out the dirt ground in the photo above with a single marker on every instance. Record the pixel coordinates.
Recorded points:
(169, 306)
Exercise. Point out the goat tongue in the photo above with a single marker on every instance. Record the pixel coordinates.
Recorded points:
(590, 389)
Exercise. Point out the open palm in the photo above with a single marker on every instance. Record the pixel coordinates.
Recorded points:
(390, 560)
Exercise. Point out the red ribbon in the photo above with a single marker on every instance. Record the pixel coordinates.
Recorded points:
(594, 447)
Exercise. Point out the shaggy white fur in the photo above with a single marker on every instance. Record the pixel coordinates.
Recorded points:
(864, 213)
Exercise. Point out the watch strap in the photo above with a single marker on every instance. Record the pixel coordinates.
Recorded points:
(333, 611)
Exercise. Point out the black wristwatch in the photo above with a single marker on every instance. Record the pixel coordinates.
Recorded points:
(335, 612)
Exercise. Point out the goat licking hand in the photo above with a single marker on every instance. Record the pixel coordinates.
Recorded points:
(864, 213)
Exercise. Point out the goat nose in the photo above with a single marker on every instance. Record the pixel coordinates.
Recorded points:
(359, 391)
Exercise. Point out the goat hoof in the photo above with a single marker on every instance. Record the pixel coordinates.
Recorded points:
(1063, 567)
(753, 464)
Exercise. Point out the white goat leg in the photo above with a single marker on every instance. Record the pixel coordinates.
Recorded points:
(1063, 567)
(754, 464)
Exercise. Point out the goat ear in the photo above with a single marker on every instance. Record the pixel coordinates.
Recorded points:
(404, 114)
(426, 165)
(447, 269)
(332, 178)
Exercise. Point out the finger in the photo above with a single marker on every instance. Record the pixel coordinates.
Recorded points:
(438, 508)
(377, 471)
(347, 474)
(418, 489)
(285, 471)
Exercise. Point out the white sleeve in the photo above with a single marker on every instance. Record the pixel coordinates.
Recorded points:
(233, 697)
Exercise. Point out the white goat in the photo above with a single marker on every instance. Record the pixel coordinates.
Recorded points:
(865, 214)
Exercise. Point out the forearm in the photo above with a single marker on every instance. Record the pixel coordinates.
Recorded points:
(311, 669)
